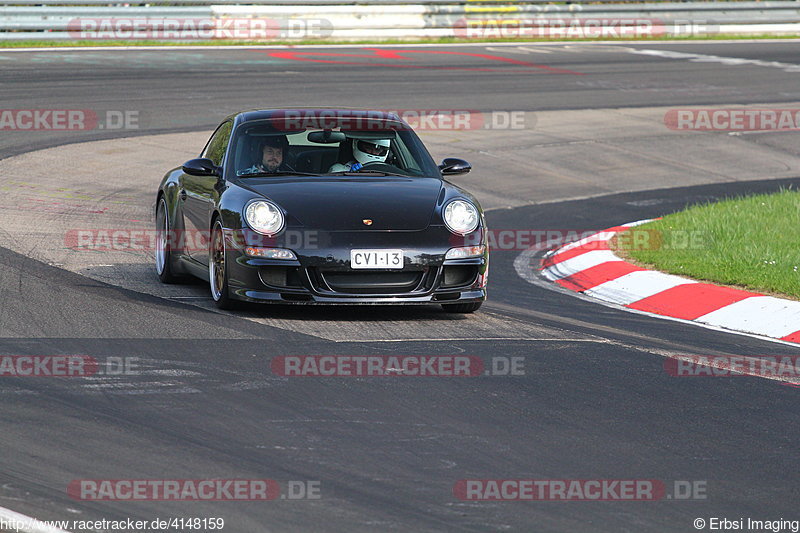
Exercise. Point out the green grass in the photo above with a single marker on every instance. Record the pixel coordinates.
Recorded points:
(751, 242)
(437, 40)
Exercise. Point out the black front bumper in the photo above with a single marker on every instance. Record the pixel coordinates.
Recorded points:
(322, 274)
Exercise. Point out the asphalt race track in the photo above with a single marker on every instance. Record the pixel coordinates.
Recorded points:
(594, 400)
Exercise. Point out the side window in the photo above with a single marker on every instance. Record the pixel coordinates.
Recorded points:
(215, 150)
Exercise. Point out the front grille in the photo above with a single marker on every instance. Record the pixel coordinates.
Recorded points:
(399, 282)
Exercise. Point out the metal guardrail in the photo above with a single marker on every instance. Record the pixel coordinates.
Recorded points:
(498, 3)
(489, 5)
(332, 20)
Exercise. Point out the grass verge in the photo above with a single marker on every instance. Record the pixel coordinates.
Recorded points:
(320, 42)
(750, 242)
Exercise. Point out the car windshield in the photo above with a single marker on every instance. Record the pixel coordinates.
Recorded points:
(343, 147)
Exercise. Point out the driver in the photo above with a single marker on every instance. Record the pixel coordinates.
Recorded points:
(273, 154)
(365, 152)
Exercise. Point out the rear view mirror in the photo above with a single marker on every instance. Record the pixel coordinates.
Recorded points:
(201, 167)
(451, 166)
(326, 137)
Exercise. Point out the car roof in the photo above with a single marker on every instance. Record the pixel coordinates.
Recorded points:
(317, 112)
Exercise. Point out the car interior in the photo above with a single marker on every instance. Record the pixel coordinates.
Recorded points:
(313, 152)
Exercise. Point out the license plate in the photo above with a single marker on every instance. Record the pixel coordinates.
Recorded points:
(376, 259)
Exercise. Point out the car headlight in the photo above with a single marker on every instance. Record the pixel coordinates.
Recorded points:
(263, 217)
(461, 217)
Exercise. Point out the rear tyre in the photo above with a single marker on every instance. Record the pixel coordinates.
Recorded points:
(218, 269)
(470, 307)
(163, 254)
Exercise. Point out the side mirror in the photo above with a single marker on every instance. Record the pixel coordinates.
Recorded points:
(451, 166)
(201, 167)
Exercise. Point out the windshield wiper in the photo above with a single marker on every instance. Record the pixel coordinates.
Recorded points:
(373, 172)
(278, 173)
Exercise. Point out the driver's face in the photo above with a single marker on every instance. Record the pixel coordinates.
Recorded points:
(272, 158)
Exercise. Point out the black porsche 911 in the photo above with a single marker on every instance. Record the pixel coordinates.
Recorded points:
(322, 206)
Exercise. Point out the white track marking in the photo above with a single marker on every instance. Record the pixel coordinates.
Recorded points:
(638, 223)
(705, 58)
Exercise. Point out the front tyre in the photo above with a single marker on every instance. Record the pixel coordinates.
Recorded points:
(470, 307)
(218, 269)
(163, 254)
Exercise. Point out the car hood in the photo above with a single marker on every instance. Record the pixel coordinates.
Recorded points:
(343, 203)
